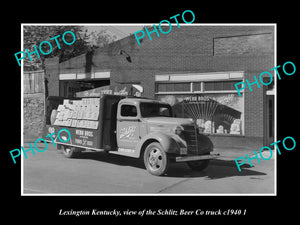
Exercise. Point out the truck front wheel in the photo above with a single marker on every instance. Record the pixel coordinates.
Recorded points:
(155, 159)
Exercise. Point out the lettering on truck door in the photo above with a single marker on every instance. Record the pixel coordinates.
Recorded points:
(128, 127)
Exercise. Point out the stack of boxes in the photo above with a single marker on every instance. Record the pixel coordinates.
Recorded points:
(78, 113)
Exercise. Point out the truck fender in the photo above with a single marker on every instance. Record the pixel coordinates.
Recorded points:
(168, 143)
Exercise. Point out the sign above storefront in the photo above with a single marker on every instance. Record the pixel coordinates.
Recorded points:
(196, 98)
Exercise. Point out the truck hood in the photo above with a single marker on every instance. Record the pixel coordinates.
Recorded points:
(165, 124)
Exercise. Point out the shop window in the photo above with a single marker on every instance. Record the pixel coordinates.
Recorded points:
(173, 87)
(211, 100)
(214, 113)
(197, 86)
(220, 85)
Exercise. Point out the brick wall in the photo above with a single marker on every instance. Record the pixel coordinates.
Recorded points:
(243, 44)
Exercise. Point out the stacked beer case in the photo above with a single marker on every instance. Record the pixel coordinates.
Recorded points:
(78, 113)
(91, 121)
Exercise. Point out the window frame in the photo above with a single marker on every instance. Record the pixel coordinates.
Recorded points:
(173, 92)
(126, 117)
(202, 87)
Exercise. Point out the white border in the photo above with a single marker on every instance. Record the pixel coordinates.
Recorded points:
(275, 108)
(22, 113)
(154, 194)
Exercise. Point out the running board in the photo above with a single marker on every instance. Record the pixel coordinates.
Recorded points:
(196, 157)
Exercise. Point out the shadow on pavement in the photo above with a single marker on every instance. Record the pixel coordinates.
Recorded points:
(112, 159)
(217, 168)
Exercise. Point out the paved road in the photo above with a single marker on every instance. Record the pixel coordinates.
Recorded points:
(50, 172)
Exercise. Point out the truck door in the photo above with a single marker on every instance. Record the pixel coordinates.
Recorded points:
(128, 126)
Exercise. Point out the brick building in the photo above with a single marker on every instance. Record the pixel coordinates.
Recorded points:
(194, 68)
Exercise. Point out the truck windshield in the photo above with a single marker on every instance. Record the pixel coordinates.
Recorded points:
(155, 109)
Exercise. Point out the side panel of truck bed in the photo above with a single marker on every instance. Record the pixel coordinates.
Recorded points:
(80, 137)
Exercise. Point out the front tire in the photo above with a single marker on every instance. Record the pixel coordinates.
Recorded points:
(156, 160)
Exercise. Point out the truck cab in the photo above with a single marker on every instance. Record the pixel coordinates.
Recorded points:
(146, 128)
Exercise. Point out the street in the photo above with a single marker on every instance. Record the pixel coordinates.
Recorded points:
(50, 172)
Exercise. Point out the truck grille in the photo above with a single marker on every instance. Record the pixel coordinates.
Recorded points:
(190, 135)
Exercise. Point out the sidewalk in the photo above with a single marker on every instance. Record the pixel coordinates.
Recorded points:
(234, 147)
(233, 153)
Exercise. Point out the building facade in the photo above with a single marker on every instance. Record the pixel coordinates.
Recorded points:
(193, 68)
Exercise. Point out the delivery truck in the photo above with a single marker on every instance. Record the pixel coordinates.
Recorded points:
(129, 126)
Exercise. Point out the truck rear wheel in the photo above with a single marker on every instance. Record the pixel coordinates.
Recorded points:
(70, 152)
(155, 159)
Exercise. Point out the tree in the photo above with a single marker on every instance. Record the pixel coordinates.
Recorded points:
(34, 35)
(99, 38)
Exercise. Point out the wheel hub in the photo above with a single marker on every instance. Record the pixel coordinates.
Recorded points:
(155, 159)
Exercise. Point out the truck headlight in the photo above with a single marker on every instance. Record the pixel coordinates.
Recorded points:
(178, 130)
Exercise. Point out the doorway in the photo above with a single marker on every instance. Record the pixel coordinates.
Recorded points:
(68, 88)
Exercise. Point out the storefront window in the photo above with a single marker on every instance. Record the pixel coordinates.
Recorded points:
(173, 87)
(214, 113)
(197, 86)
(219, 85)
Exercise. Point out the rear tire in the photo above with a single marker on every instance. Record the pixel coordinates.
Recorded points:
(155, 159)
(70, 152)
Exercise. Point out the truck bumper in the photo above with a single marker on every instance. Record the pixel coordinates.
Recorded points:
(196, 157)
